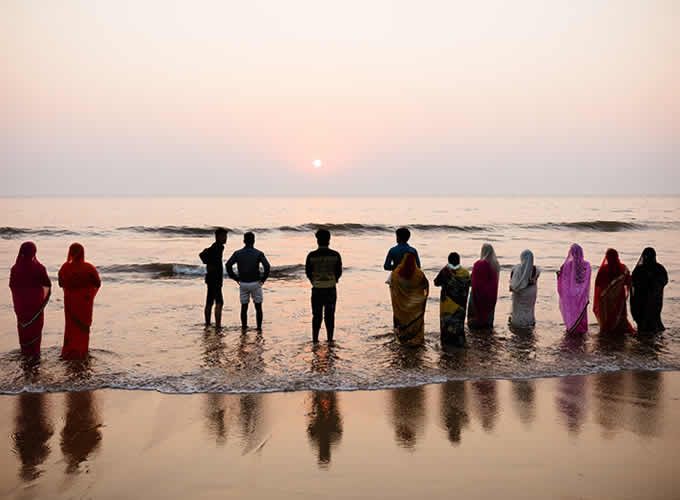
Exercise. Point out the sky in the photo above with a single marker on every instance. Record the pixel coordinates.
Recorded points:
(202, 97)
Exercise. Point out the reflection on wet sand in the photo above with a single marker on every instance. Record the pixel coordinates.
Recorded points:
(486, 394)
(571, 401)
(215, 412)
(325, 424)
(32, 431)
(524, 392)
(647, 392)
(408, 414)
(610, 393)
(81, 434)
(454, 409)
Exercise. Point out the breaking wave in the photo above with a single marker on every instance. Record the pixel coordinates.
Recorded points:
(159, 270)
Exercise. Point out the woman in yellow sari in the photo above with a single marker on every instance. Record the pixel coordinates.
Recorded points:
(409, 289)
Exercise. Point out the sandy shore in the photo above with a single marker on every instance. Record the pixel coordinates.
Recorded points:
(613, 435)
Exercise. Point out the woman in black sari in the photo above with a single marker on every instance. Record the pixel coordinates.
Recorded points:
(646, 297)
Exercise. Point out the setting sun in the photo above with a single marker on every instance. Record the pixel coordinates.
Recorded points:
(317, 163)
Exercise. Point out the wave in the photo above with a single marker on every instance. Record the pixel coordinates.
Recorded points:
(345, 228)
(605, 226)
(8, 232)
(159, 270)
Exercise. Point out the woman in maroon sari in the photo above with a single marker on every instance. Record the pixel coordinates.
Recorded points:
(612, 286)
(484, 289)
(80, 282)
(30, 287)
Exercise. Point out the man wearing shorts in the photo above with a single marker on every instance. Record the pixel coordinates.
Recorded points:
(212, 258)
(250, 281)
(323, 269)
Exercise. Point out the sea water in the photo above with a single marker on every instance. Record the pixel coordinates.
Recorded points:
(148, 328)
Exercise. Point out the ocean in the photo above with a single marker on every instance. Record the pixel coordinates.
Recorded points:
(148, 329)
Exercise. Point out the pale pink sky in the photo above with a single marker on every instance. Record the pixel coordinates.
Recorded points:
(433, 97)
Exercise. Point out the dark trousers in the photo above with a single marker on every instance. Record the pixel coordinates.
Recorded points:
(323, 307)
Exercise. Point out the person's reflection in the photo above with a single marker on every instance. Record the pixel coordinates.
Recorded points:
(524, 392)
(454, 409)
(32, 431)
(251, 361)
(646, 392)
(215, 413)
(408, 414)
(324, 429)
(323, 358)
(215, 408)
(571, 397)
(486, 394)
(609, 390)
(81, 435)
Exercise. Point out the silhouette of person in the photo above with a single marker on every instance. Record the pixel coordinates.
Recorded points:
(212, 258)
(32, 432)
(323, 268)
(248, 260)
(81, 435)
(454, 409)
(408, 414)
(324, 429)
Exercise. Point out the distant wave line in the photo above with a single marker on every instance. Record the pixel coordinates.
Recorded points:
(176, 270)
(347, 228)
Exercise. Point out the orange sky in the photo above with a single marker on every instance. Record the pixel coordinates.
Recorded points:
(369, 87)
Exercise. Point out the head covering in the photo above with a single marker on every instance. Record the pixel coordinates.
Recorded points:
(610, 269)
(488, 254)
(76, 253)
(27, 271)
(408, 265)
(648, 257)
(522, 272)
(26, 254)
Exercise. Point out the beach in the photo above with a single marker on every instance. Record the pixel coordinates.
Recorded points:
(610, 435)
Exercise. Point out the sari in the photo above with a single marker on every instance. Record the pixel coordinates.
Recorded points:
(409, 289)
(573, 288)
(80, 282)
(646, 294)
(484, 289)
(523, 280)
(30, 287)
(612, 285)
(455, 283)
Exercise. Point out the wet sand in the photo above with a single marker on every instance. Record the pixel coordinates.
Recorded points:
(612, 435)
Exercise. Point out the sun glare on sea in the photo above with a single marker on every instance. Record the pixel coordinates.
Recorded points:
(317, 164)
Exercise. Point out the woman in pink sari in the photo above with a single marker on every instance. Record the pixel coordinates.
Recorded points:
(484, 289)
(612, 286)
(30, 287)
(573, 287)
(80, 282)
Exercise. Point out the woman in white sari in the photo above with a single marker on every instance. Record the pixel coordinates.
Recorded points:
(523, 281)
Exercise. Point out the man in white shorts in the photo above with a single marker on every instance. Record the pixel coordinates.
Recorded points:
(249, 278)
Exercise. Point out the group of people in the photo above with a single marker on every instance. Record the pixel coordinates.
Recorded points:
(463, 293)
(478, 293)
(31, 290)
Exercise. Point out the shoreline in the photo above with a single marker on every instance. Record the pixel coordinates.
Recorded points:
(591, 436)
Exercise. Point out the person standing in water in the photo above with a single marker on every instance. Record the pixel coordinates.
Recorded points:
(455, 282)
(248, 260)
(80, 281)
(212, 258)
(31, 289)
(323, 268)
(397, 252)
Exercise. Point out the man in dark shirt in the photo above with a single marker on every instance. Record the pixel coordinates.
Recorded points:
(212, 258)
(323, 268)
(397, 252)
(248, 260)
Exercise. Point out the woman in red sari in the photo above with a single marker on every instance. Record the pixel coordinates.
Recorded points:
(612, 286)
(80, 282)
(30, 287)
